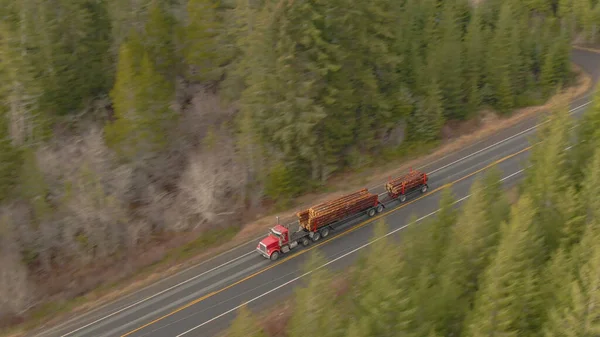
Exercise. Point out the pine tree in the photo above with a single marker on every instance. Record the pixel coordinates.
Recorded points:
(10, 163)
(473, 61)
(501, 59)
(74, 41)
(124, 98)
(159, 39)
(559, 269)
(141, 98)
(202, 32)
(579, 315)
(588, 136)
(498, 207)
(245, 325)
(448, 66)
(556, 65)
(428, 118)
(25, 121)
(382, 296)
(508, 303)
(316, 312)
(33, 186)
(441, 227)
(472, 242)
(547, 179)
(589, 195)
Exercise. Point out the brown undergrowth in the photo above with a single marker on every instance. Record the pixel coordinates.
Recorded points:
(458, 136)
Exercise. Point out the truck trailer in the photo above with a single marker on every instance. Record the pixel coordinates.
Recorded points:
(317, 222)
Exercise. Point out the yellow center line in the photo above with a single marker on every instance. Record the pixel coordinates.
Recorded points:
(354, 228)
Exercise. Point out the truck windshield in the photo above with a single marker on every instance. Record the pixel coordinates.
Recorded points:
(273, 232)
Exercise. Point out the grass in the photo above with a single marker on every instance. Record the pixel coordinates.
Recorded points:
(209, 238)
(48, 310)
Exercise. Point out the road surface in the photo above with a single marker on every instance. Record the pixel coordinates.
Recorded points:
(202, 300)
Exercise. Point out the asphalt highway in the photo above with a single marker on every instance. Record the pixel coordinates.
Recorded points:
(202, 300)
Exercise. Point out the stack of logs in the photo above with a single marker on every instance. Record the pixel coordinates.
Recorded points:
(334, 210)
(406, 183)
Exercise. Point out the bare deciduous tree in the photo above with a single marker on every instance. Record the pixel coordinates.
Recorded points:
(15, 292)
(210, 186)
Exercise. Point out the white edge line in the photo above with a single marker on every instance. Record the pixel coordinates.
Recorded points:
(330, 262)
(157, 294)
(243, 244)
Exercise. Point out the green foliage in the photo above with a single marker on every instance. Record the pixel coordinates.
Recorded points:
(159, 40)
(428, 117)
(141, 99)
(383, 303)
(32, 186)
(245, 325)
(547, 181)
(10, 164)
(282, 183)
(201, 32)
(579, 314)
(316, 310)
(487, 270)
(507, 302)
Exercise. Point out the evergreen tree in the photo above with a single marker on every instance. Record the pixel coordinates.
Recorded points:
(502, 59)
(202, 31)
(23, 120)
(556, 65)
(73, 59)
(473, 62)
(559, 269)
(497, 205)
(448, 68)
(547, 179)
(589, 195)
(141, 98)
(579, 315)
(10, 162)
(316, 312)
(245, 325)
(381, 292)
(588, 136)
(33, 186)
(428, 117)
(508, 303)
(472, 243)
(159, 39)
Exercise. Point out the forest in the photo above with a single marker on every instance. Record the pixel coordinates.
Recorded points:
(125, 124)
(491, 267)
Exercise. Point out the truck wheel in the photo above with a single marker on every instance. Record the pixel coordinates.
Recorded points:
(424, 188)
(402, 198)
(325, 232)
(274, 256)
(371, 212)
(305, 242)
(316, 236)
(379, 208)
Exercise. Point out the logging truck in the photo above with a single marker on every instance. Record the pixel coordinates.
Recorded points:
(319, 220)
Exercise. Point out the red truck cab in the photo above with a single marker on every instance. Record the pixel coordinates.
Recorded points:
(270, 246)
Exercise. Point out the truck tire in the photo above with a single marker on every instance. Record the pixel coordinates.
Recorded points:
(424, 188)
(305, 242)
(324, 232)
(371, 212)
(379, 208)
(316, 236)
(274, 256)
(402, 198)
